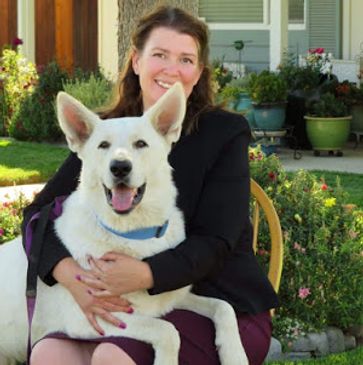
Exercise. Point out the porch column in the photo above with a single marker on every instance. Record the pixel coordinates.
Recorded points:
(278, 31)
(26, 31)
(107, 37)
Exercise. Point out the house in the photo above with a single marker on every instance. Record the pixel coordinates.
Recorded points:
(84, 32)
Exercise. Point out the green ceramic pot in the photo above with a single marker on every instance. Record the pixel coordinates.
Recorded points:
(328, 134)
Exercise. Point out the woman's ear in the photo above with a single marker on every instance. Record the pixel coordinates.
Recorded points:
(135, 57)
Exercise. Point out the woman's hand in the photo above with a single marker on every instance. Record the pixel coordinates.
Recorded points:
(68, 273)
(115, 274)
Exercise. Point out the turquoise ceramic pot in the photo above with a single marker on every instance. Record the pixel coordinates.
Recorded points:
(244, 106)
(270, 116)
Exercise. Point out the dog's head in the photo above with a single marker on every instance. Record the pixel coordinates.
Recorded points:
(124, 160)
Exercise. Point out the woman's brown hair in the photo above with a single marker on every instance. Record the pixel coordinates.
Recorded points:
(129, 99)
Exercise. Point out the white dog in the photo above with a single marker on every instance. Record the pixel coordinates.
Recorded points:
(125, 185)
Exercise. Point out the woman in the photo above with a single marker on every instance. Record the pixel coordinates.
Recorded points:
(210, 162)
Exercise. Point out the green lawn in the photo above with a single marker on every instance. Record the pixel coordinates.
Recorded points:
(352, 184)
(354, 357)
(28, 163)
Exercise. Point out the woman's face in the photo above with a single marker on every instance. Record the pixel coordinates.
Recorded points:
(168, 57)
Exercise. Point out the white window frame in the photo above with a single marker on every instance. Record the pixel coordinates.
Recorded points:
(265, 25)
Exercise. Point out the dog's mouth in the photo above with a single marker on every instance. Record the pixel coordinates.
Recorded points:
(123, 198)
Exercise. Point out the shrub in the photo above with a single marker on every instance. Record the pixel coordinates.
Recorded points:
(36, 119)
(17, 80)
(323, 243)
(93, 91)
(11, 217)
(267, 87)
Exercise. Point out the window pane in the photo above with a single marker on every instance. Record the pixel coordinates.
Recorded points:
(231, 11)
(296, 11)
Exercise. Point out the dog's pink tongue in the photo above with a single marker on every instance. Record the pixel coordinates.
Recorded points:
(122, 198)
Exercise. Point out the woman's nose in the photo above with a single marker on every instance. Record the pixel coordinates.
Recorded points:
(172, 67)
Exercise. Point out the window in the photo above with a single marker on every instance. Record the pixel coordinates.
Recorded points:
(296, 11)
(232, 11)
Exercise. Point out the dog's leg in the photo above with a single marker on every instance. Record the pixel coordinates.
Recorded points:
(230, 349)
(161, 334)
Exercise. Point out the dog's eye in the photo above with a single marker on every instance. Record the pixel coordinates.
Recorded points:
(140, 144)
(104, 145)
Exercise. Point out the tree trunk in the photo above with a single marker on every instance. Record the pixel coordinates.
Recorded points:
(130, 11)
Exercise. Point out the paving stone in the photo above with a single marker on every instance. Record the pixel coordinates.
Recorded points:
(320, 343)
(275, 350)
(335, 339)
(302, 344)
(349, 342)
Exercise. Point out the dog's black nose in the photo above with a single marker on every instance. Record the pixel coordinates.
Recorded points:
(120, 168)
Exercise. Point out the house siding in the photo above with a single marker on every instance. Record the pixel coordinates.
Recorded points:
(322, 30)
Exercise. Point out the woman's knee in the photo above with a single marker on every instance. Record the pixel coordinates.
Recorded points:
(109, 354)
(61, 351)
(45, 352)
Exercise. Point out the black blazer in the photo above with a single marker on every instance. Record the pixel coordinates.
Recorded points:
(212, 176)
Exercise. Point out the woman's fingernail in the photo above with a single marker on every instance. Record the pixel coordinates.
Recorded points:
(78, 277)
(130, 310)
(122, 325)
(101, 333)
(89, 292)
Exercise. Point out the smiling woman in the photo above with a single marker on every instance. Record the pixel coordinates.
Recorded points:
(27, 163)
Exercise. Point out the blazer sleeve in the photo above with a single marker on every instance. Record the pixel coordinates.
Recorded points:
(213, 233)
(64, 182)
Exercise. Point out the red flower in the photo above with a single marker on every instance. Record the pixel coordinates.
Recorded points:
(272, 175)
(324, 187)
(17, 42)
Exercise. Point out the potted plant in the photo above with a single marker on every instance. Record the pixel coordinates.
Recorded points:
(328, 123)
(268, 92)
(236, 95)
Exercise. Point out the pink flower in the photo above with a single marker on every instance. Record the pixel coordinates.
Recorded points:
(304, 292)
(1, 232)
(298, 247)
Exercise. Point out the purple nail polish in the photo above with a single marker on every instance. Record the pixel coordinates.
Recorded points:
(89, 292)
(78, 277)
(101, 333)
(122, 325)
(130, 310)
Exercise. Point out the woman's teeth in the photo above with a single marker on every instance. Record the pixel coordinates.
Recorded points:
(165, 85)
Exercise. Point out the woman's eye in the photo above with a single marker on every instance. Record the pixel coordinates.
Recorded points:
(140, 144)
(104, 145)
(186, 60)
(160, 55)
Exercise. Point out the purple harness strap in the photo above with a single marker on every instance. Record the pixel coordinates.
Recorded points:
(32, 249)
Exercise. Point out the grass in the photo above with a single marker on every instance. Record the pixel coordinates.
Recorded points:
(28, 163)
(354, 357)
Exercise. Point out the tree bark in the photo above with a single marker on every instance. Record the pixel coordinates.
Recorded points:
(131, 10)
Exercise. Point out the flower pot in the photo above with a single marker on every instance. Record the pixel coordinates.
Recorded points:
(244, 106)
(270, 116)
(328, 134)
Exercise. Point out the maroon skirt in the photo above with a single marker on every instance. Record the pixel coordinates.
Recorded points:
(197, 336)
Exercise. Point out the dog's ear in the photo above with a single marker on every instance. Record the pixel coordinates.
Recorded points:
(167, 114)
(76, 121)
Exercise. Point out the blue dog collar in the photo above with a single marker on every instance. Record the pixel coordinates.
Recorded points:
(138, 234)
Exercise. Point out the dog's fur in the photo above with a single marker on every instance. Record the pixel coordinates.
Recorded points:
(143, 143)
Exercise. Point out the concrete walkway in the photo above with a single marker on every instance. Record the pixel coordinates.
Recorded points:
(351, 161)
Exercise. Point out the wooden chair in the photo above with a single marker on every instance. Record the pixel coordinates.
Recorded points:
(262, 202)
